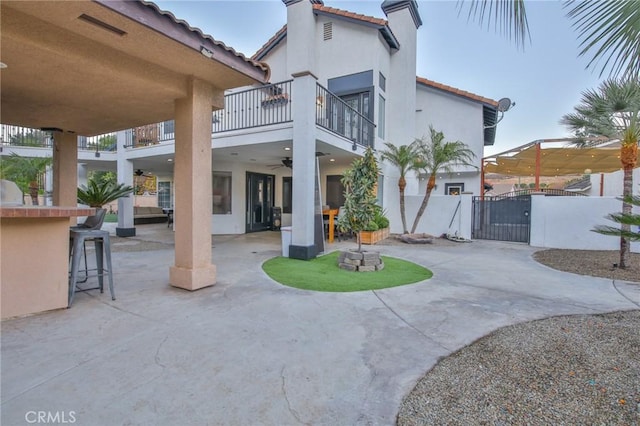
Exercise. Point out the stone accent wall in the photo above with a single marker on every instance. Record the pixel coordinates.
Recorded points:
(367, 261)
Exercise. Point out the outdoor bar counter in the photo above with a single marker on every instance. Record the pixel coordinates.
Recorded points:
(34, 261)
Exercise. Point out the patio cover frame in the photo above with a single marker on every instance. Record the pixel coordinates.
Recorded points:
(535, 160)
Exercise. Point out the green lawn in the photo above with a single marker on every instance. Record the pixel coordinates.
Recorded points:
(323, 274)
(111, 217)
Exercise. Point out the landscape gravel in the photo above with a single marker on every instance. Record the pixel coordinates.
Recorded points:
(571, 370)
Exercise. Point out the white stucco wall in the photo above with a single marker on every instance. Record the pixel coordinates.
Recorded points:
(437, 218)
(456, 117)
(566, 222)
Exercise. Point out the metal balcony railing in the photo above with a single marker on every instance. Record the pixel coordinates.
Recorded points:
(24, 136)
(27, 137)
(270, 104)
(262, 106)
(338, 117)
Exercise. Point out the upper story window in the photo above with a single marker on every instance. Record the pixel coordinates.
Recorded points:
(382, 82)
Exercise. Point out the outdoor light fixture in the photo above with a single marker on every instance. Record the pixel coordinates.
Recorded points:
(354, 147)
(206, 52)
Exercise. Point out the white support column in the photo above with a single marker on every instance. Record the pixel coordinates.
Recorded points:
(304, 166)
(193, 199)
(126, 227)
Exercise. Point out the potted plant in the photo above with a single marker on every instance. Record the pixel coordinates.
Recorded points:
(99, 192)
(376, 230)
(360, 181)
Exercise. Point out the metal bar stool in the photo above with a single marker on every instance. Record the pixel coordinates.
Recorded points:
(103, 251)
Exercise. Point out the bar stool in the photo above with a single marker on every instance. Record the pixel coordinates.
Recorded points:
(103, 251)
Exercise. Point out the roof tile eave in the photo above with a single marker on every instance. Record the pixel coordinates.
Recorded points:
(351, 15)
(456, 91)
(261, 66)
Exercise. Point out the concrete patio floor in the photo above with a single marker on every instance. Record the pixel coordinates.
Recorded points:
(249, 351)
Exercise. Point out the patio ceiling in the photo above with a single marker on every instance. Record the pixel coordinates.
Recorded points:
(92, 67)
(555, 161)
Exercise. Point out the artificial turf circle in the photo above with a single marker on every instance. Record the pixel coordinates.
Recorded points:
(323, 274)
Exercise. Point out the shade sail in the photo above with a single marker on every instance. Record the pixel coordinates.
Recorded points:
(556, 161)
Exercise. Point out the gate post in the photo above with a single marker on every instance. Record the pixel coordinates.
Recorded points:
(466, 214)
(537, 221)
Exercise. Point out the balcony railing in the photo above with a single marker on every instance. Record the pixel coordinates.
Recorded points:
(262, 106)
(24, 137)
(27, 137)
(338, 117)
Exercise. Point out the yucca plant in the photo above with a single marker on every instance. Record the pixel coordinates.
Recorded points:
(100, 192)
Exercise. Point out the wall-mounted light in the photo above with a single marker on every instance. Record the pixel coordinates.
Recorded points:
(206, 52)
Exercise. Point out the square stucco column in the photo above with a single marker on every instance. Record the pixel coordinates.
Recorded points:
(304, 166)
(193, 268)
(125, 226)
(65, 170)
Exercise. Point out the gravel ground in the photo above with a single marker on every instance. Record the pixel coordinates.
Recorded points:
(582, 369)
(596, 263)
(573, 370)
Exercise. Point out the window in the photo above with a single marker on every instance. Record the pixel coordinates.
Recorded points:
(382, 82)
(168, 130)
(381, 117)
(335, 191)
(453, 188)
(164, 195)
(221, 192)
(380, 192)
(287, 191)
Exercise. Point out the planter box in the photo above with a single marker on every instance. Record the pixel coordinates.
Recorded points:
(372, 237)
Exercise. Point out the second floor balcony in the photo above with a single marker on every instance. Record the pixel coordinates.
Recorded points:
(246, 109)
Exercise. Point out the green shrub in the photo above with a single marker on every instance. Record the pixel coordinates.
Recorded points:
(372, 226)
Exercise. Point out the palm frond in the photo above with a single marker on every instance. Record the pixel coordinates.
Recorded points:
(609, 30)
(509, 18)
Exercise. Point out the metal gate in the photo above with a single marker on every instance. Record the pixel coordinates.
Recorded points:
(502, 218)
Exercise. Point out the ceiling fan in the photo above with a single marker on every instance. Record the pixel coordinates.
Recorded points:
(286, 162)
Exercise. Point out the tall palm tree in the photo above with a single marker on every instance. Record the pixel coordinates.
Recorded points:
(613, 111)
(436, 155)
(403, 157)
(608, 29)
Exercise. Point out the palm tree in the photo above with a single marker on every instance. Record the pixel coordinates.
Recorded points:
(404, 158)
(613, 111)
(608, 28)
(435, 155)
(25, 172)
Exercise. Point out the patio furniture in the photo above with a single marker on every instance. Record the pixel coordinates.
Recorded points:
(103, 251)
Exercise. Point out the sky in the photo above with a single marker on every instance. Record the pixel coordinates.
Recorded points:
(545, 79)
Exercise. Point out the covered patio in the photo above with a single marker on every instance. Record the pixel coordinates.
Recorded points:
(85, 68)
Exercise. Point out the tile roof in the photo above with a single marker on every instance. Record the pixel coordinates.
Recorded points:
(456, 91)
(351, 15)
(262, 66)
(382, 24)
(270, 43)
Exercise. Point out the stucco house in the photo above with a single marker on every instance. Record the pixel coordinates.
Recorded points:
(339, 82)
